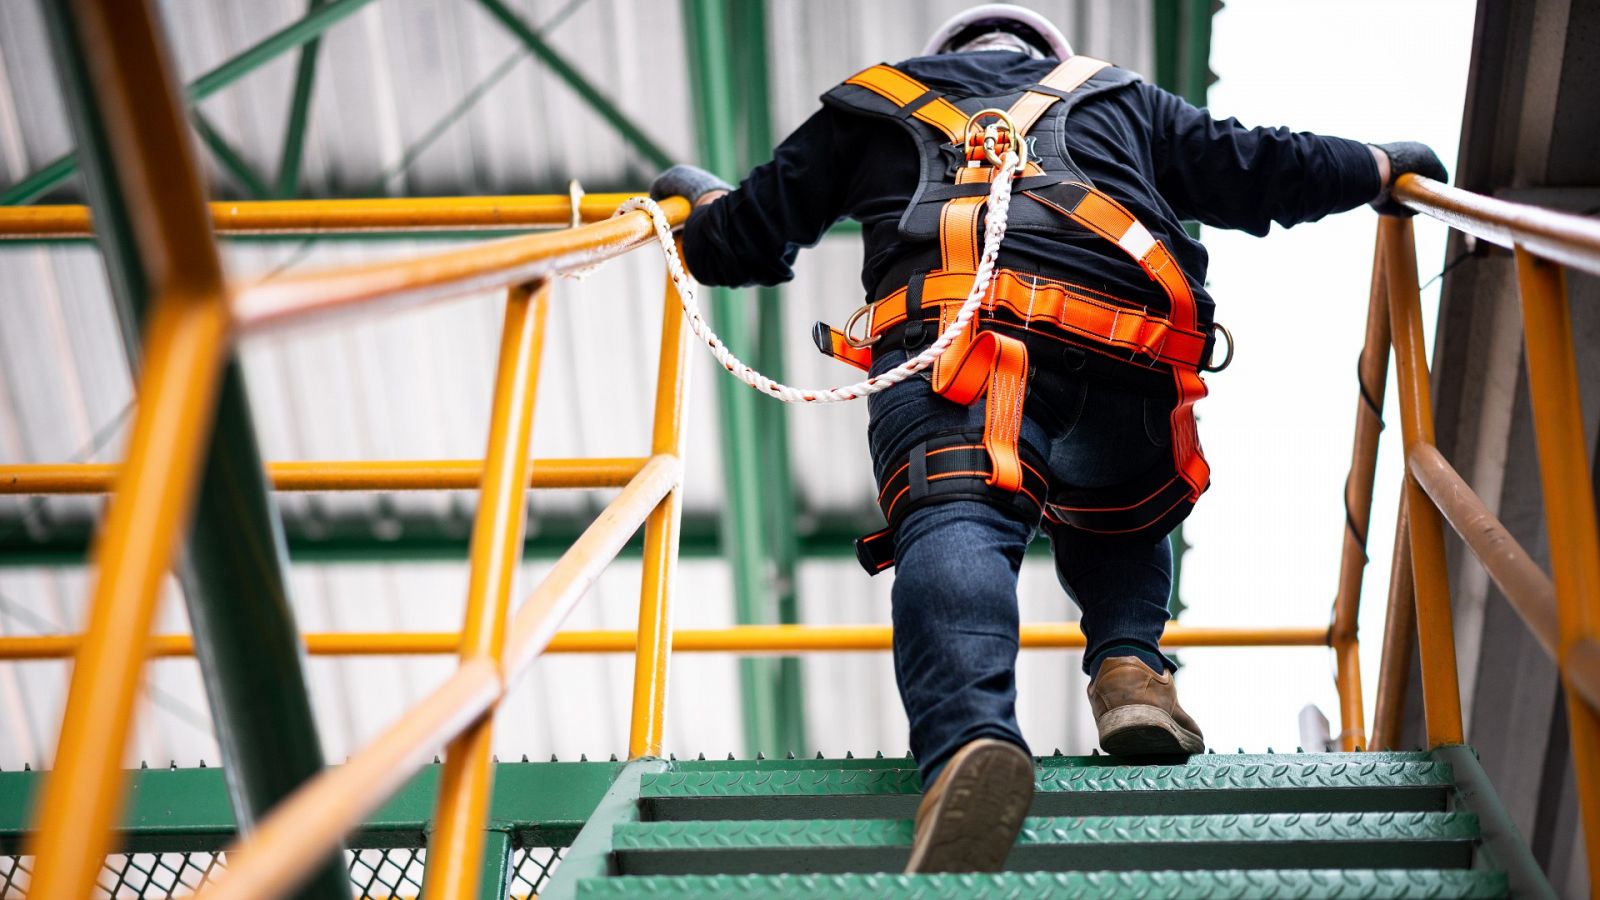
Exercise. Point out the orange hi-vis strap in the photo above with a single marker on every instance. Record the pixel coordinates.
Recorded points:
(1146, 337)
(1062, 80)
(981, 363)
(914, 98)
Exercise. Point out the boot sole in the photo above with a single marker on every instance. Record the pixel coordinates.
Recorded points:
(979, 814)
(1142, 730)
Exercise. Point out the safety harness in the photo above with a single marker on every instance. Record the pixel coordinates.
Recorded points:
(962, 142)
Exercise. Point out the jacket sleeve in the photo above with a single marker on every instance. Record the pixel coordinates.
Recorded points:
(751, 235)
(1220, 173)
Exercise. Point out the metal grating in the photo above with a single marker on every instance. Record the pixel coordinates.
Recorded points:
(375, 874)
(531, 868)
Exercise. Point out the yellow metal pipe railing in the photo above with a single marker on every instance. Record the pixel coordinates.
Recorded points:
(437, 276)
(376, 215)
(1399, 632)
(1441, 689)
(746, 639)
(186, 343)
(1563, 611)
(455, 849)
(1569, 510)
(342, 475)
(289, 842)
(654, 643)
(1372, 373)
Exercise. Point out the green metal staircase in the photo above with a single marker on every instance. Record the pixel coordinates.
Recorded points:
(1273, 825)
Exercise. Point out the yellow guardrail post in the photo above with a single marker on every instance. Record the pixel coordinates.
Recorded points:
(653, 646)
(1372, 373)
(1569, 511)
(456, 848)
(125, 82)
(1441, 690)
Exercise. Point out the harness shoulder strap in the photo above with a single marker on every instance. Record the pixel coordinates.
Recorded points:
(1058, 85)
(910, 98)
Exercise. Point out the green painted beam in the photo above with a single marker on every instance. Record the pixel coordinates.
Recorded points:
(753, 103)
(541, 804)
(227, 156)
(744, 523)
(1377, 884)
(264, 51)
(294, 133)
(630, 131)
(1265, 841)
(316, 542)
(234, 564)
(590, 855)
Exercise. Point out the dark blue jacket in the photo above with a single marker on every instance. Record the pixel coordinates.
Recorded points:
(1163, 159)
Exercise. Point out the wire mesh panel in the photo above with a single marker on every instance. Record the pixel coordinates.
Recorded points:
(386, 874)
(531, 868)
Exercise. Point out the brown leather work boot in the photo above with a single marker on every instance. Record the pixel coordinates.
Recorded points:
(970, 819)
(1137, 711)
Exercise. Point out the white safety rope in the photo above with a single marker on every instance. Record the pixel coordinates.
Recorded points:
(999, 201)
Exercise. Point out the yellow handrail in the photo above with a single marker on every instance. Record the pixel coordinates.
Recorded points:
(358, 216)
(744, 639)
(1562, 611)
(342, 475)
(437, 276)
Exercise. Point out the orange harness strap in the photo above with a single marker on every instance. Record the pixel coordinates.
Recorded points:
(905, 92)
(1062, 80)
(980, 363)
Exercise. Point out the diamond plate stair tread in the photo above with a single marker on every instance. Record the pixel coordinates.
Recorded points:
(1282, 841)
(1099, 761)
(1097, 830)
(1047, 779)
(1239, 884)
(1284, 784)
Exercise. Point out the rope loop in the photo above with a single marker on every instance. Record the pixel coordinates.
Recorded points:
(999, 202)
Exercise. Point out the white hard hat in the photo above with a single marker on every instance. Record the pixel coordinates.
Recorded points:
(1000, 17)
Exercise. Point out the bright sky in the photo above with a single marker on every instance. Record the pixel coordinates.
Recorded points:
(1279, 423)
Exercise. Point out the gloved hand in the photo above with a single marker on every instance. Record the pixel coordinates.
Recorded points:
(686, 181)
(1407, 156)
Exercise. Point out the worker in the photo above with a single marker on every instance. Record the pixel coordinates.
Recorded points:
(1067, 405)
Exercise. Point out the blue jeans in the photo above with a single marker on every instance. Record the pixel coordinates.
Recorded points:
(955, 588)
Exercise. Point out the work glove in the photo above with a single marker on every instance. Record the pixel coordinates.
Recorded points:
(690, 182)
(1407, 156)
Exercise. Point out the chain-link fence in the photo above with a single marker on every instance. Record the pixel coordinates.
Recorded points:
(374, 874)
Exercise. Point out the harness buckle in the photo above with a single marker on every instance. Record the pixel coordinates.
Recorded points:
(868, 338)
(1218, 328)
(989, 141)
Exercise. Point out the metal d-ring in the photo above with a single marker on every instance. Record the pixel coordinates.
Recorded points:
(850, 324)
(1226, 360)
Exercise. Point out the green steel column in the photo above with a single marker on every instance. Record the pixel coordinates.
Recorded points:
(264, 51)
(294, 134)
(564, 70)
(227, 156)
(748, 22)
(743, 523)
(232, 573)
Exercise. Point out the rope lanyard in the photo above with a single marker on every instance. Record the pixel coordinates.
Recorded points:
(999, 201)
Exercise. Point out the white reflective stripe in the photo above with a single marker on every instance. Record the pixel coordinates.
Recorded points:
(1137, 240)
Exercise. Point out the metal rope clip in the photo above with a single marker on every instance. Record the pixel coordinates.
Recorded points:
(1217, 327)
(989, 143)
(867, 339)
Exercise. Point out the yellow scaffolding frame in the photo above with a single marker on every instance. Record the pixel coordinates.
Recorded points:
(196, 314)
